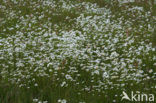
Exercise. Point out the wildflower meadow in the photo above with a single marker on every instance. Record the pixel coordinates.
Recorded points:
(77, 51)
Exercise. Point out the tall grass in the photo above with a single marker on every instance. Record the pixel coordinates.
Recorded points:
(74, 51)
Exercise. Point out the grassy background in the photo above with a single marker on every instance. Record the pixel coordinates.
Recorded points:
(47, 89)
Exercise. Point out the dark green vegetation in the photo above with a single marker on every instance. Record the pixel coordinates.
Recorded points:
(75, 51)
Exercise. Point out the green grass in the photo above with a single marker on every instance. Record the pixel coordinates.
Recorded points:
(48, 87)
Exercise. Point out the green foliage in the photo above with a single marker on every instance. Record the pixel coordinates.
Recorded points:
(39, 63)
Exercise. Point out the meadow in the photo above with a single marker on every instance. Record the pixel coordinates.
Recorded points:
(76, 51)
